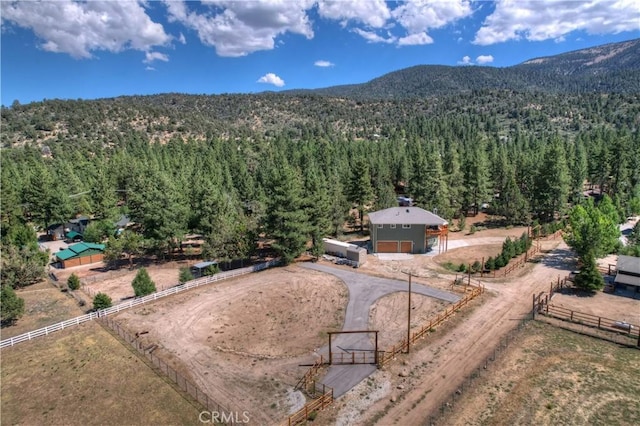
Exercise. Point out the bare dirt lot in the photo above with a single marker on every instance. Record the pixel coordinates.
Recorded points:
(469, 254)
(241, 340)
(600, 304)
(554, 376)
(389, 315)
(83, 376)
(117, 283)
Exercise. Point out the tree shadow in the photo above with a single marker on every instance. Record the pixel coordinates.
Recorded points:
(561, 259)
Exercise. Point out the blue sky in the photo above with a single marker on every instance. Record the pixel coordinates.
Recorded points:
(68, 50)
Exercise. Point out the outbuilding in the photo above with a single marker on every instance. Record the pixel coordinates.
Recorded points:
(407, 230)
(628, 272)
(81, 254)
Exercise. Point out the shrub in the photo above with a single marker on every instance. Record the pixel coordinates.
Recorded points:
(501, 261)
(472, 229)
(462, 268)
(142, 283)
(462, 223)
(73, 282)
(185, 274)
(476, 267)
(490, 264)
(101, 301)
(210, 270)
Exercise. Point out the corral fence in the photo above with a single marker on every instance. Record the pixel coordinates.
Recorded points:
(384, 357)
(614, 330)
(513, 264)
(183, 384)
(137, 301)
(322, 398)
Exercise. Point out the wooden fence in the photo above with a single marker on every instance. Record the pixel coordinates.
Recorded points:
(310, 375)
(135, 302)
(323, 398)
(183, 384)
(384, 357)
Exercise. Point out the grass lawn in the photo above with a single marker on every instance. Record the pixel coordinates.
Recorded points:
(84, 376)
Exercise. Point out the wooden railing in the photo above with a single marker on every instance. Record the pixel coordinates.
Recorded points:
(310, 376)
(385, 357)
(322, 401)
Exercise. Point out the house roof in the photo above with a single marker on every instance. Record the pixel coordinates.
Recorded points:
(405, 216)
(79, 250)
(629, 264)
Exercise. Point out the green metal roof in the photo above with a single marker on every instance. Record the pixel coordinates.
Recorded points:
(73, 234)
(80, 250)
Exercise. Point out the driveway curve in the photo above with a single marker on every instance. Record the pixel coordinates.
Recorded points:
(364, 291)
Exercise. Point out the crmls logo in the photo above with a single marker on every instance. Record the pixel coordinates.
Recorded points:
(217, 417)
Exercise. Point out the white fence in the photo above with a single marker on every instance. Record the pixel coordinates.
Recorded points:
(137, 301)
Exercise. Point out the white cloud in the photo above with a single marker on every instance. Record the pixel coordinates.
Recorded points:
(484, 59)
(155, 56)
(323, 64)
(421, 15)
(79, 29)
(537, 20)
(372, 37)
(182, 39)
(373, 13)
(466, 60)
(271, 78)
(149, 68)
(238, 28)
(415, 39)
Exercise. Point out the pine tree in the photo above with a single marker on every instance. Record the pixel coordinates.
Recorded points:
(359, 190)
(73, 282)
(286, 220)
(101, 301)
(143, 284)
(11, 306)
(589, 278)
(552, 183)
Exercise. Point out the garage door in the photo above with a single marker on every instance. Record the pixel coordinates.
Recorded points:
(406, 246)
(387, 247)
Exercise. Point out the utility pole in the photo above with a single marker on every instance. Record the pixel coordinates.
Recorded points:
(409, 317)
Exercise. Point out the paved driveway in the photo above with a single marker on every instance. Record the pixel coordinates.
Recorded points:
(364, 290)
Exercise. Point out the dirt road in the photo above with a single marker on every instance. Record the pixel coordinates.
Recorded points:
(451, 357)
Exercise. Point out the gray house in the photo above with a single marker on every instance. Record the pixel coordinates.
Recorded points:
(407, 230)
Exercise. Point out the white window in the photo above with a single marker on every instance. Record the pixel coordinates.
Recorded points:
(380, 226)
(406, 226)
(393, 226)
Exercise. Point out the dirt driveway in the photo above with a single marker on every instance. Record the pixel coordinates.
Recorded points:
(444, 362)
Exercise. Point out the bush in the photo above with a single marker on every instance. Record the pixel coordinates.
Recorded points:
(101, 301)
(490, 264)
(185, 275)
(472, 229)
(73, 282)
(462, 268)
(210, 270)
(142, 283)
(508, 249)
(501, 261)
(476, 267)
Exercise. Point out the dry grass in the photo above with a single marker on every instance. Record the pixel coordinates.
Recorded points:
(85, 376)
(554, 376)
(43, 305)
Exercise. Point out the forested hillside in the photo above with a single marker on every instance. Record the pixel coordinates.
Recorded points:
(292, 167)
